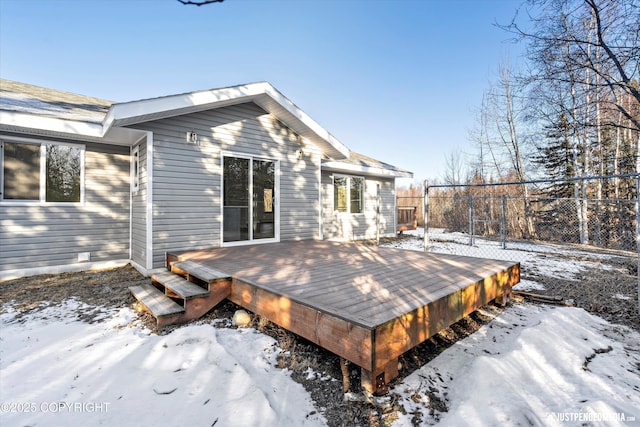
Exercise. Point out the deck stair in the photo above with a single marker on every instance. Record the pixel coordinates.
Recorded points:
(181, 295)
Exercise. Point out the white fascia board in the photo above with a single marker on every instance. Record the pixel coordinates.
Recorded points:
(200, 100)
(208, 99)
(365, 170)
(51, 124)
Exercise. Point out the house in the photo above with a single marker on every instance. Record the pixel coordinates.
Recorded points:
(89, 183)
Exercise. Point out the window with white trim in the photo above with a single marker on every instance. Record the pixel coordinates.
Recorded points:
(348, 194)
(41, 172)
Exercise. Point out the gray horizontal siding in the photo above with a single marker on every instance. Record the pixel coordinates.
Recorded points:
(343, 226)
(187, 178)
(34, 236)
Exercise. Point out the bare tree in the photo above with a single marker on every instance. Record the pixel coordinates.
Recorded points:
(504, 136)
(455, 172)
(589, 27)
(199, 2)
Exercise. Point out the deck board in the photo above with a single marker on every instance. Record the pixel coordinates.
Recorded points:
(368, 284)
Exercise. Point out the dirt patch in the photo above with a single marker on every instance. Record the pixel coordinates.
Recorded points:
(610, 292)
(106, 288)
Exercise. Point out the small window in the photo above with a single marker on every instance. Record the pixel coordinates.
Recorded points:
(135, 169)
(348, 194)
(49, 173)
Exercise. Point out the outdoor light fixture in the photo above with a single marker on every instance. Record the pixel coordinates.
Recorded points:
(192, 137)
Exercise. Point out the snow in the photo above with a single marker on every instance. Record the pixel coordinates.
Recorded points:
(68, 372)
(532, 365)
(537, 259)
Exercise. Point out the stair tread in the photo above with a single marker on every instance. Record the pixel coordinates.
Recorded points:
(155, 301)
(180, 286)
(200, 271)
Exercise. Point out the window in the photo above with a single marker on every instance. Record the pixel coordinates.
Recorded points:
(49, 173)
(135, 169)
(348, 194)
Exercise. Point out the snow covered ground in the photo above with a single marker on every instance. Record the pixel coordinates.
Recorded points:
(532, 365)
(57, 371)
(544, 259)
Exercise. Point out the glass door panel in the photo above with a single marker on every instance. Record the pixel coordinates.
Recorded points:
(236, 199)
(263, 198)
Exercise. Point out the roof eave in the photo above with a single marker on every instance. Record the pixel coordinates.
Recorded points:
(263, 94)
(336, 166)
(56, 127)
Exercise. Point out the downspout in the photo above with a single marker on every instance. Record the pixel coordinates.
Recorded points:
(149, 207)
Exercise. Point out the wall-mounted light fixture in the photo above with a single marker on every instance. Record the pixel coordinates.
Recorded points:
(192, 137)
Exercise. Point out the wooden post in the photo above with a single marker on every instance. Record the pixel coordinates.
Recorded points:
(377, 382)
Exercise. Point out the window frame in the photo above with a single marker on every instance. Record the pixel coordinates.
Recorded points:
(42, 199)
(348, 192)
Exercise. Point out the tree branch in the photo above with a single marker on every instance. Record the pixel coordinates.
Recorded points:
(199, 2)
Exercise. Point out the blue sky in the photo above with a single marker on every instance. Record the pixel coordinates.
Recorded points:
(395, 80)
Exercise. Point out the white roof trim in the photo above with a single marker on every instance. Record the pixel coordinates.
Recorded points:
(56, 127)
(260, 93)
(337, 166)
(30, 121)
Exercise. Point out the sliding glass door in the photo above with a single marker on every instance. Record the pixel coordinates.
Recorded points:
(249, 195)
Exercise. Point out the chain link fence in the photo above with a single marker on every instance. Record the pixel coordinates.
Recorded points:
(601, 223)
(591, 228)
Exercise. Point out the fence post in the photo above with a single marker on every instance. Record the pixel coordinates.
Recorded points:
(378, 202)
(426, 215)
(503, 222)
(471, 222)
(637, 207)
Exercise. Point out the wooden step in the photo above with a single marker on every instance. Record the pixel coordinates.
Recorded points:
(155, 301)
(204, 273)
(180, 287)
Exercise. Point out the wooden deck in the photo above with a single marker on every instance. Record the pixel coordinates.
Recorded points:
(367, 304)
